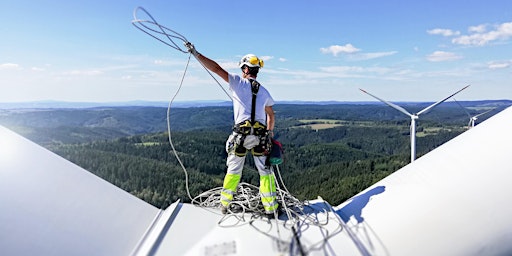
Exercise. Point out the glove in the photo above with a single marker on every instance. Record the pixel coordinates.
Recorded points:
(191, 48)
(267, 145)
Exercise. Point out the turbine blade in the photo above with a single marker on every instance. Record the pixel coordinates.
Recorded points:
(484, 113)
(439, 102)
(389, 103)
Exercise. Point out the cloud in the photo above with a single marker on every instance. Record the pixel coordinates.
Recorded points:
(336, 49)
(37, 69)
(84, 72)
(372, 55)
(162, 62)
(443, 32)
(283, 60)
(266, 58)
(499, 64)
(479, 36)
(478, 29)
(343, 69)
(356, 71)
(443, 56)
(230, 65)
(9, 66)
(354, 52)
(323, 73)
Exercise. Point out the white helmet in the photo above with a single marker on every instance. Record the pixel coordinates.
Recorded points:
(251, 60)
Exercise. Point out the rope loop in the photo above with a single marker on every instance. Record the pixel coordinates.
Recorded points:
(157, 31)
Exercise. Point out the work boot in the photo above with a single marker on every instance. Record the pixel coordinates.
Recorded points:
(271, 216)
(223, 209)
(277, 212)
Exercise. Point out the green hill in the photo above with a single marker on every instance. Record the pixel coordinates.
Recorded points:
(332, 151)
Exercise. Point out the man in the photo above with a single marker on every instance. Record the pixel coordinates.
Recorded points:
(254, 121)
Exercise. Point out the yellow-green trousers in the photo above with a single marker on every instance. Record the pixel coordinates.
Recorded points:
(235, 165)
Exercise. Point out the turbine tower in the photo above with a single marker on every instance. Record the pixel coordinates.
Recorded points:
(413, 117)
(472, 119)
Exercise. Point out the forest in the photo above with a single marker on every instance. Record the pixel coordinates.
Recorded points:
(332, 150)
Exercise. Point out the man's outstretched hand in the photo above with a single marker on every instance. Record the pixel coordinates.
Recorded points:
(191, 48)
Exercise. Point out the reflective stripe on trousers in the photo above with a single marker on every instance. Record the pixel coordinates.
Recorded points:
(268, 193)
(229, 188)
(235, 165)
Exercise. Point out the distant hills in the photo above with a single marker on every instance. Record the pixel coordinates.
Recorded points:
(216, 103)
(137, 103)
(68, 122)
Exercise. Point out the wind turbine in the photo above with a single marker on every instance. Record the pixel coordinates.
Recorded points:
(472, 119)
(413, 117)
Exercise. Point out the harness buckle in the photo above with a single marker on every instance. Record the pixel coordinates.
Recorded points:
(246, 128)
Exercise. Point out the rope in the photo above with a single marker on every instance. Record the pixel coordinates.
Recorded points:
(166, 35)
(157, 31)
(247, 199)
(169, 131)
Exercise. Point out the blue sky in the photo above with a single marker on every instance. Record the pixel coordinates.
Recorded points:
(89, 51)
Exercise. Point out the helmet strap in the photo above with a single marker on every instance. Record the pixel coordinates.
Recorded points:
(251, 71)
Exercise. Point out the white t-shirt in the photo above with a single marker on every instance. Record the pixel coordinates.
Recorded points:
(242, 100)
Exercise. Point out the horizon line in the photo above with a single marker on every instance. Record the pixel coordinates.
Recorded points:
(192, 103)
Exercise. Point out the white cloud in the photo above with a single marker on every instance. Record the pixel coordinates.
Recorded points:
(372, 55)
(37, 69)
(480, 37)
(84, 72)
(336, 49)
(266, 58)
(342, 69)
(443, 32)
(499, 64)
(283, 60)
(9, 66)
(161, 62)
(354, 52)
(478, 29)
(230, 65)
(358, 71)
(443, 56)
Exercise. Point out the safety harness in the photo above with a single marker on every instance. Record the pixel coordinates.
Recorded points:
(255, 87)
(251, 127)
